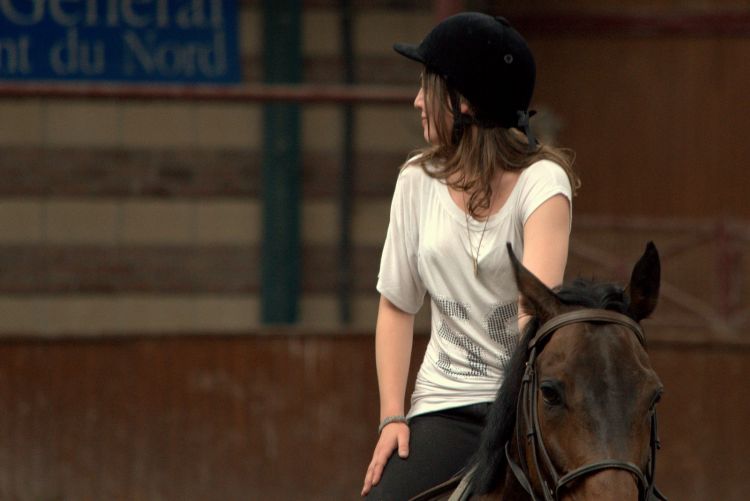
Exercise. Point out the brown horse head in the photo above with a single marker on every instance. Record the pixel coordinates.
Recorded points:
(575, 414)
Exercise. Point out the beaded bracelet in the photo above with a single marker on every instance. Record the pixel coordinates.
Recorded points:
(390, 419)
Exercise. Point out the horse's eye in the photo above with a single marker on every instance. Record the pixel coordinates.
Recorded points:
(550, 393)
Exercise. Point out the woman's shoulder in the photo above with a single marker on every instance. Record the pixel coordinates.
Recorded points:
(545, 167)
(414, 171)
(545, 171)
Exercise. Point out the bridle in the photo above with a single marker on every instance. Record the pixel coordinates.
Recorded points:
(527, 407)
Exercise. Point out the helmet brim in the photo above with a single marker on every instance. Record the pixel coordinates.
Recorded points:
(409, 50)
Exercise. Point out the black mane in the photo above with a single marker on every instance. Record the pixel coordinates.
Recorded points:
(490, 459)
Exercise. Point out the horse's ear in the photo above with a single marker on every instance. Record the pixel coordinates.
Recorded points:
(643, 290)
(536, 298)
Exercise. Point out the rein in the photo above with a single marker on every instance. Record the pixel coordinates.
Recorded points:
(527, 407)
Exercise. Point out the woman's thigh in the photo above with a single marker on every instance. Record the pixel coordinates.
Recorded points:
(440, 444)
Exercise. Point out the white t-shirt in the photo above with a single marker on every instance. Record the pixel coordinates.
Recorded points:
(474, 327)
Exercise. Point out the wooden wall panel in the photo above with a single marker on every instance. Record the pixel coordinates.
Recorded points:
(195, 174)
(704, 412)
(182, 419)
(656, 122)
(280, 416)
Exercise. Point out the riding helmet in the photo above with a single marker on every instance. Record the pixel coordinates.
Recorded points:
(486, 60)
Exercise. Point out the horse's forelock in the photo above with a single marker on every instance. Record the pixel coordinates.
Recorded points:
(591, 294)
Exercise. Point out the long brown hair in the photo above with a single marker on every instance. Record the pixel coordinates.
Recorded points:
(471, 165)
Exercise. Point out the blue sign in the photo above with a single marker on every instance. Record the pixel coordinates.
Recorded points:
(120, 40)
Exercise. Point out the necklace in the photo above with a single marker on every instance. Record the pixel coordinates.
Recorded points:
(474, 257)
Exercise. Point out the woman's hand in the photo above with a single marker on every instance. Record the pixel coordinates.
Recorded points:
(394, 436)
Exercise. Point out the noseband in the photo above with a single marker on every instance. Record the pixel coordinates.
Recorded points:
(527, 407)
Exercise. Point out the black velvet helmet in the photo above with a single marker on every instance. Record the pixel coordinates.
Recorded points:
(487, 61)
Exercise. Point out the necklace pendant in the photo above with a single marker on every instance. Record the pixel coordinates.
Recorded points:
(476, 268)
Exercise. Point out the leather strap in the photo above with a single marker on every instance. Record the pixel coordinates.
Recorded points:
(462, 492)
(519, 474)
(605, 464)
(587, 315)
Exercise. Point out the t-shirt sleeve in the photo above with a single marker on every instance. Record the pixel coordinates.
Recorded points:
(544, 180)
(398, 279)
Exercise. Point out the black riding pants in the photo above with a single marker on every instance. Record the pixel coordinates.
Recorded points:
(440, 444)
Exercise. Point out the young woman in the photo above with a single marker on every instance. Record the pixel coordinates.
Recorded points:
(482, 181)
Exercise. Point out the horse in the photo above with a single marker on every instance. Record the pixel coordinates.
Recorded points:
(575, 417)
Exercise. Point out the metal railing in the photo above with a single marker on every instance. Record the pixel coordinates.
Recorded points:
(297, 93)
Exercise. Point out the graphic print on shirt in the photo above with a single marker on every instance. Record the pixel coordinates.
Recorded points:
(502, 326)
(453, 309)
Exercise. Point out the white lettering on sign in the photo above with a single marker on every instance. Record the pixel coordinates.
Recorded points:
(171, 59)
(14, 56)
(102, 38)
(23, 17)
(72, 56)
(198, 14)
(61, 15)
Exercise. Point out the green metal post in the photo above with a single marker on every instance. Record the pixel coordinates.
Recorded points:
(346, 181)
(281, 267)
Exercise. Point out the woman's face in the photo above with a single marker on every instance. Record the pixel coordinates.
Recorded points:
(432, 117)
(428, 119)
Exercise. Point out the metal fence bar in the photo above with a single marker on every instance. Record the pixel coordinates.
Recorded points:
(299, 93)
